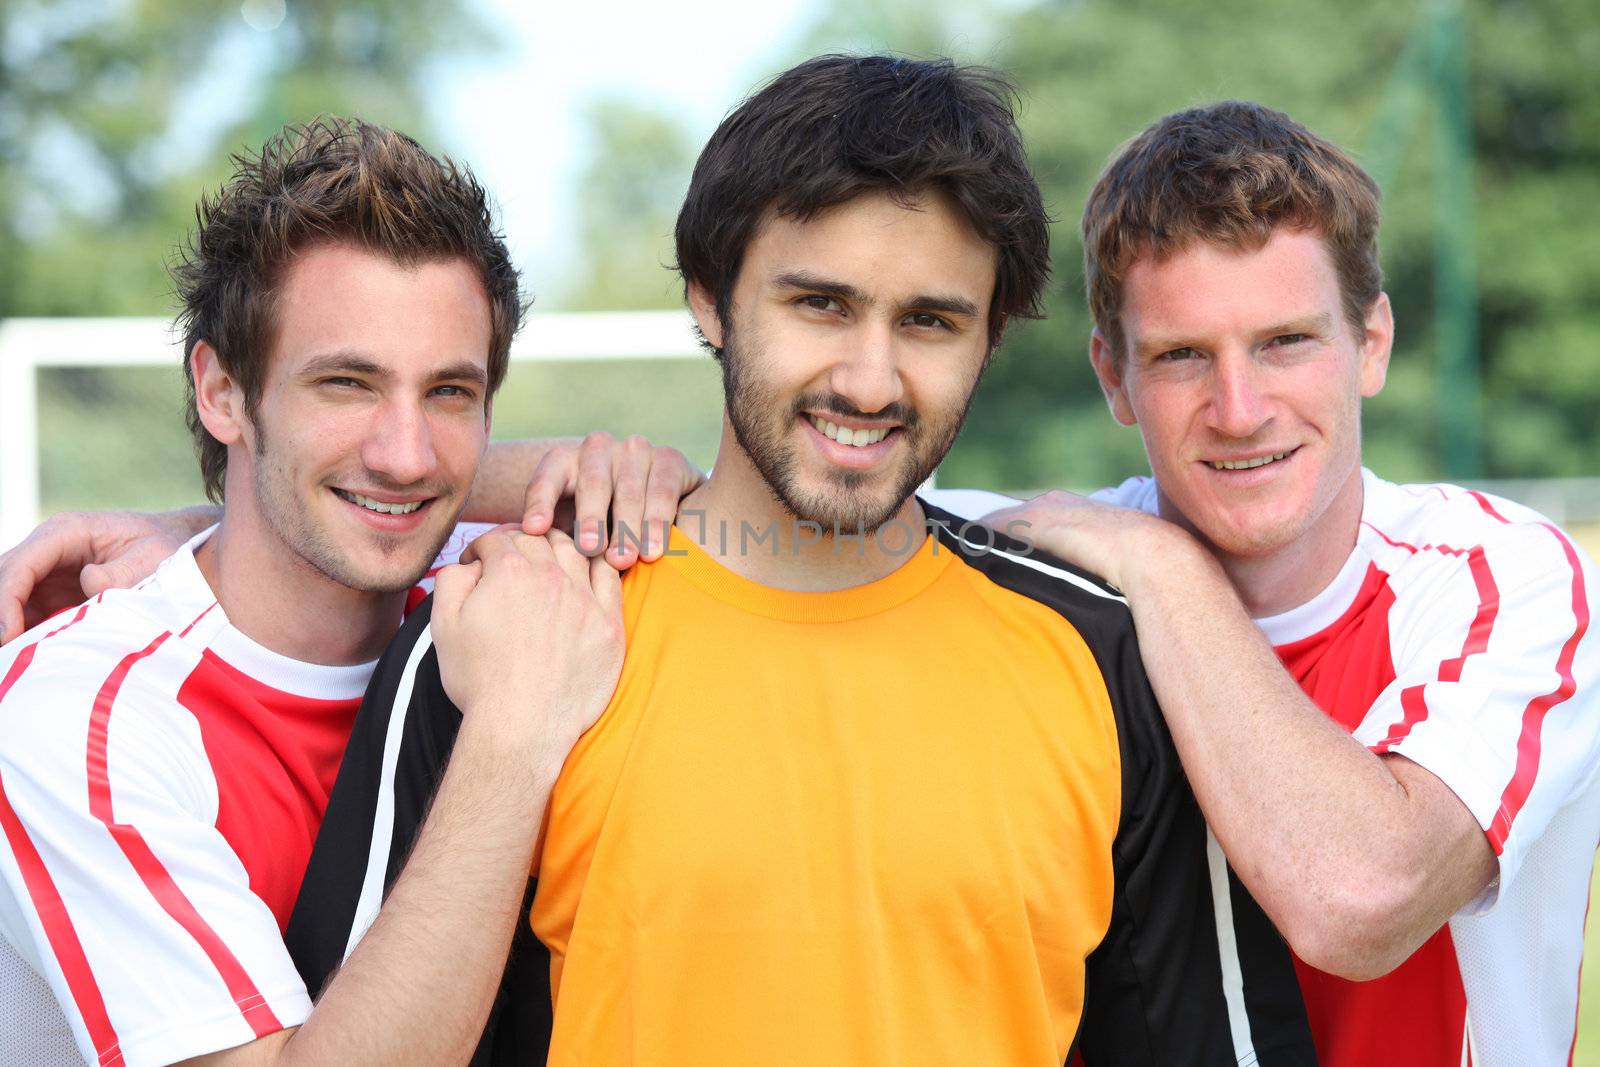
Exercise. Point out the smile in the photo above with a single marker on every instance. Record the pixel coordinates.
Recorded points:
(378, 505)
(846, 436)
(1248, 464)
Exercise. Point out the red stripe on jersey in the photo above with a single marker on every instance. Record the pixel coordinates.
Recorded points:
(1412, 699)
(1521, 784)
(252, 1005)
(59, 931)
(1483, 502)
(47, 902)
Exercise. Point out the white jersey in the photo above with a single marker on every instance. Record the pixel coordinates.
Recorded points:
(162, 778)
(1456, 634)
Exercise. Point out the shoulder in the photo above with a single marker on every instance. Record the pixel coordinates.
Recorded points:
(1099, 612)
(967, 503)
(1138, 493)
(104, 678)
(1442, 530)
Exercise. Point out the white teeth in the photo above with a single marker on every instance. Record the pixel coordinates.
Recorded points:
(1245, 464)
(846, 436)
(378, 505)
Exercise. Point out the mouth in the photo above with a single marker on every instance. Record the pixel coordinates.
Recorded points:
(1249, 464)
(380, 507)
(844, 435)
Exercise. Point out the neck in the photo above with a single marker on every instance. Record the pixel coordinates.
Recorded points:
(282, 603)
(737, 520)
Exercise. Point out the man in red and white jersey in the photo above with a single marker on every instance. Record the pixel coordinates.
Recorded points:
(167, 751)
(1386, 697)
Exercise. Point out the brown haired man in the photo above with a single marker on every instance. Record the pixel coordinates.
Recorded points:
(873, 789)
(1385, 696)
(166, 752)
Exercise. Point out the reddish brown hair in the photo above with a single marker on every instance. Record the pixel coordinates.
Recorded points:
(1229, 174)
(329, 180)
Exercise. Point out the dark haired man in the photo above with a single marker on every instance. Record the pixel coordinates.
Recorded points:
(870, 790)
(166, 752)
(1385, 695)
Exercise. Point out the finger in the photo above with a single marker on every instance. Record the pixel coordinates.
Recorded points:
(96, 578)
(572, 561)
(470, 553)
(553, 478)
(10, 618)
(19, 578)
(606, 581)
(669, 483)
(593, 493)
(628, 501)
(450, 588)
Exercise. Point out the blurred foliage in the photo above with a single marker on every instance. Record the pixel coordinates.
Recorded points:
(634, 179)
(113, 115)
(1094, 72)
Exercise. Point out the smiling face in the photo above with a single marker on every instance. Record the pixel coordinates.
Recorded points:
(372, 416)
(1245, 380)
(851, 351)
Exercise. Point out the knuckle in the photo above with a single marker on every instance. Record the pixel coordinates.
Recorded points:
(598, 439)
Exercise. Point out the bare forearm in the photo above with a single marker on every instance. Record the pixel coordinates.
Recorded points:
(499, 490)
(1348, 859)
(419, 986)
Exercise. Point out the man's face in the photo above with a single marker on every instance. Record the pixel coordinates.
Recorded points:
(373, 414)
(1246, 379)
(851, 352)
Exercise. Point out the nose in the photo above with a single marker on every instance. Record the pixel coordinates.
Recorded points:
(868, 374)
(399, 444)
(1239, 405)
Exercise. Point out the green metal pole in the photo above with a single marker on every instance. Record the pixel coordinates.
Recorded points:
(1455, 266)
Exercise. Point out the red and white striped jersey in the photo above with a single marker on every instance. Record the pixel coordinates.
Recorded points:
(1455, 635)
(162, 779)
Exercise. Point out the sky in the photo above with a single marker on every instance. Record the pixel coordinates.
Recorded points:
(518, 118)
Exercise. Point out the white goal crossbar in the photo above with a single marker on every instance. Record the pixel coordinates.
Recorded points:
(26, 345)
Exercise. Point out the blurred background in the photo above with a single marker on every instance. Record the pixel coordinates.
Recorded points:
(1480, 119)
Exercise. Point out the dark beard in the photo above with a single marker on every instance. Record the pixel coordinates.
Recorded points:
(844, 509)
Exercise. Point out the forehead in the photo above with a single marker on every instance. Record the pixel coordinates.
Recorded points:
(879, 245)
(342, 297)
(1209, 286)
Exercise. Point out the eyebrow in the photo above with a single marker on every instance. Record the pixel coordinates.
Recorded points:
(816, 283)
(347, 361)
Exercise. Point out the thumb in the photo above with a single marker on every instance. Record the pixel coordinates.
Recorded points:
(96, 578)
(450, 589)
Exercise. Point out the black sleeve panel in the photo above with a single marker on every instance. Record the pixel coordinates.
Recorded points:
(1157, 986)
(405, 684)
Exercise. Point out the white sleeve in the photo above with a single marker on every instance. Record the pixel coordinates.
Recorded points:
(1497, 682)
(115, 884)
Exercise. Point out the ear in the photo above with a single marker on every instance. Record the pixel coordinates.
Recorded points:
(218, 397)
(703, 306)
(1108, 368)
(1376, 343)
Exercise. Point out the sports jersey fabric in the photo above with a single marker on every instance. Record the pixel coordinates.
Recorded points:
(162, 779)
(931, 819)
(1457, 635)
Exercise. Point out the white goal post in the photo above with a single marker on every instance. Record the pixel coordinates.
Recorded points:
(26, 345)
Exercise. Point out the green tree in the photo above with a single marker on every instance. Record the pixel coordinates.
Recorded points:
(633, 183)
(96, 180)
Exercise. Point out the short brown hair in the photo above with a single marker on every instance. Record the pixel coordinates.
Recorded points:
(837, 127)
(330, 180)
(1229, 174)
